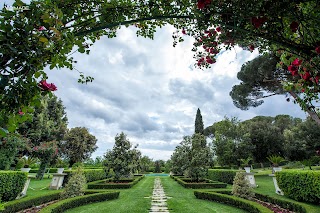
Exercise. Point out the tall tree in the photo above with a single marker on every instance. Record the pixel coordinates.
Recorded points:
(78, 145)
(200, 158)
(198, 124)
(181, 157)
(145, 163)
(46, 130)
(120, 157)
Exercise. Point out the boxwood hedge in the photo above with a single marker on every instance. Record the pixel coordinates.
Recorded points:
(300, 185)
(11, 184)
(104, 184)
(222, 175)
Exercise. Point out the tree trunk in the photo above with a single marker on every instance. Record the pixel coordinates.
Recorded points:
(41, 170)
(311, 112)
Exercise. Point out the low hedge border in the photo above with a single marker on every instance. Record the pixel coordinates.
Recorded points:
(28, 202)
(212, 184)
(101, 184)
(70, 203)
(241, 203)
(222, 175)
(91, 175)
(290, 205)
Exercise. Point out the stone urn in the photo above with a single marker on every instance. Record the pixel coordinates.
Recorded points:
(247, 168)
(60, 170)
(25, 169)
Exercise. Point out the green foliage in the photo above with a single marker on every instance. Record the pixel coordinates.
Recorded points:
(120, 158)
(157, 167)
(222, 175)
(76, 185)
(198, 125)
(241, 187)
(200, 158)
(205, 184)
(28, 202)
(9, 149)
(181, 156)
(121, 184)
(78, 145)
(27, 161)
(246, 162)
(74, 202)
(300, 185)
(290, 205)
(275, 160)
(11, 184)
(241, 203)
(90, 174)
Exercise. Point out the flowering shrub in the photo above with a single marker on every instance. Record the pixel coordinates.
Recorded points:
(46, 150)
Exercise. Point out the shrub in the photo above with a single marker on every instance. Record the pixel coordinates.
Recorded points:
(222, 175)
(76, 184)
(11, 184)
(300, 185)
(28, 202)
(241, 187)
(90, 174)
(241, 203)
(70, 203)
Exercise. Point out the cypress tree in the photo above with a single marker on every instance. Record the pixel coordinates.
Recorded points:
(198, 123)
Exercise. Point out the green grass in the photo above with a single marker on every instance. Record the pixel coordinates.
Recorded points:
(183, 200)
(130, 200)
(39, 187)
(266, 187)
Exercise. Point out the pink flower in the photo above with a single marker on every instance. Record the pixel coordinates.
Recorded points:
(251, 47)
(20, 112)
(293, 70)
(218, 29)
(296, 62)
(294, 26)
(41, 28)
(306, 76)
(209, 60)
(318, 50)
(183, 31)
(203, 3)
(258, 22)
(47, 86)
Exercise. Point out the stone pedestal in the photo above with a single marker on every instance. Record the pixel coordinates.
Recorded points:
(278, 190)
(251, 179)
(25, 187)
(57, 181)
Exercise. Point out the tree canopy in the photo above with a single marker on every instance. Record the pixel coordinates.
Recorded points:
(45, 33)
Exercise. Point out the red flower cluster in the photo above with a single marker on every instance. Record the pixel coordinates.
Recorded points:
(294, 26)
(47, 86)
(251, 47)
(258, 22)
(317, 50)
(20, 112)
(293, 68)
(203, 3)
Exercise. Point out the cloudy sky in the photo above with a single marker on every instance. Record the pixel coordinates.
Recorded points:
(151, 91)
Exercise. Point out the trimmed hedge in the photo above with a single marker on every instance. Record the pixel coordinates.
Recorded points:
(186, 183)
(28, 202)
(70, 203)
(290, 205)
(222, 175)
(241, 203)
(11, 184)
(91, 175)
(51, 170)
(300, 185)
(103, 184)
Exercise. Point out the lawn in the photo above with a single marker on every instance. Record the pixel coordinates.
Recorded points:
(131, 200)
(134, 200)
(39, 187)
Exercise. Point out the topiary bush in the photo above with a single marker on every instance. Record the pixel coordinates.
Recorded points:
(11, 184)
(241, 187)
(76, 185)
(222, 175)
(300, 185)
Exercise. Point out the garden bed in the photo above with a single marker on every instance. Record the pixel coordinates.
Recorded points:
(111, 184)
(204, 184)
